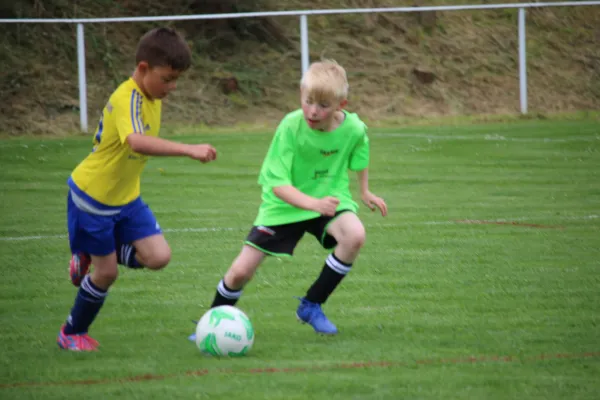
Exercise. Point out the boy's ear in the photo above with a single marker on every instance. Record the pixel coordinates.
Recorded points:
(143, 66)
(343, 104)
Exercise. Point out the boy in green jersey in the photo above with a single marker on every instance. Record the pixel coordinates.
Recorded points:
(305, 188)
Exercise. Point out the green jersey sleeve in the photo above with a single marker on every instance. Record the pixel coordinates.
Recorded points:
(277, 165)
(359, 159)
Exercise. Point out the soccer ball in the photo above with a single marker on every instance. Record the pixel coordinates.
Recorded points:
(224, 331)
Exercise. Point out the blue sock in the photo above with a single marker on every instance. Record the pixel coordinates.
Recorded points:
(88, 302)
(126, 256)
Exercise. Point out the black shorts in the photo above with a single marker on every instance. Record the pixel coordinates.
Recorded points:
(282, 239)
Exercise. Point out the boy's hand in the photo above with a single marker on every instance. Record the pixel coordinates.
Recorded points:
(326, 206)
(202, 152)
(373, 202)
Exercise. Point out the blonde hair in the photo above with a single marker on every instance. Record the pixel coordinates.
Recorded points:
(325, 80)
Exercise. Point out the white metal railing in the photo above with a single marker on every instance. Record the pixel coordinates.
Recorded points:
(303, 14)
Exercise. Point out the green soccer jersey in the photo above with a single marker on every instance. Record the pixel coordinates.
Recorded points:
(314, 162)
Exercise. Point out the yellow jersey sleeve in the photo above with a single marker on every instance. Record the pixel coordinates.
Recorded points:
(127, 109)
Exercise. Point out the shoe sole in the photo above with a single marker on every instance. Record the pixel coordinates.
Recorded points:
(317, 332)
(76, 274)
(60, 346)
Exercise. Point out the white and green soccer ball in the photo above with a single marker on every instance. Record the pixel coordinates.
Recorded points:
(224, 331)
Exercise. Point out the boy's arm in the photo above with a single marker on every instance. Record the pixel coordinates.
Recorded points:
(325, 206)
(359, 162)
(155, 146)
(363, 181)
(130, 127)
(367, 197)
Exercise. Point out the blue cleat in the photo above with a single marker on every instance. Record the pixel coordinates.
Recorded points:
(192, 337)
(311, 313)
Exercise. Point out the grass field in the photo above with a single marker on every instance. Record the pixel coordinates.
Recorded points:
(482, 283)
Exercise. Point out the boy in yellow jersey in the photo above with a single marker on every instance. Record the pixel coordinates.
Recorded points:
(108, 222)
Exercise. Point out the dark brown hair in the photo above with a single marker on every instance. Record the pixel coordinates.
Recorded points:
(164, 47)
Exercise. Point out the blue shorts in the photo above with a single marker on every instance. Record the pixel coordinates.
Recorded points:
(98, 230)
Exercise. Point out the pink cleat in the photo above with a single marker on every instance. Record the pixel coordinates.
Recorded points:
(76, 342)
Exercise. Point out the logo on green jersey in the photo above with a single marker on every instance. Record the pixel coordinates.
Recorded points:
(321, 173)
(327, 153)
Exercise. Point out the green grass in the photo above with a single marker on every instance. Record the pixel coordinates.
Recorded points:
(426, 294)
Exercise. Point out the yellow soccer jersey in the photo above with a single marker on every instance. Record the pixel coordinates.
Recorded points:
(110, 174)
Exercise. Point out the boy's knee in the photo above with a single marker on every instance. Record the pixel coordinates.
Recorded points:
(104, 277)
(153, 252)
(239, 274)
(238, 277)
(355, 240)
(243, 268)
(158, 259)
(107, 275)
(104, 274)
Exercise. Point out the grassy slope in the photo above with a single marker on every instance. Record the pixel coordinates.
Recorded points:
(473, 54)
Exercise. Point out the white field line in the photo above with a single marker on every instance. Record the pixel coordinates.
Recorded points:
(490, 137)
(384, 225)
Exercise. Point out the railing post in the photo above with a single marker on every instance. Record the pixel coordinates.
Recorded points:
(304, 42)
(83, 117)
(522, 61)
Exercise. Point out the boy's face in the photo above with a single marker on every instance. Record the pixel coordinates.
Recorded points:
(158, 82)
(319, 112)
